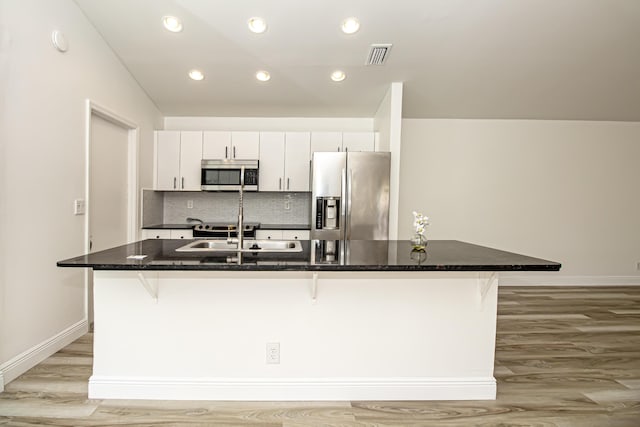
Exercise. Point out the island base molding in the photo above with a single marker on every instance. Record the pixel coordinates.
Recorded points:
(321, 389)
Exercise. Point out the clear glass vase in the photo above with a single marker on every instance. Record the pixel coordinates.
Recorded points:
(418, 242)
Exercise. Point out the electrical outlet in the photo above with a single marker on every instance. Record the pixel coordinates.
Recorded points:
(273, 352)
(189, 204)
(287, 204)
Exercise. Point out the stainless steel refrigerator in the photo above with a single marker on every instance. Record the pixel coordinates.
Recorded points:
(350, 195)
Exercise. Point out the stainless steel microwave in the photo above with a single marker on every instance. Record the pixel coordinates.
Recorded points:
(227, 175)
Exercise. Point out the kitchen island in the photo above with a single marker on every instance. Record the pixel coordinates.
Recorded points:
(370, 320)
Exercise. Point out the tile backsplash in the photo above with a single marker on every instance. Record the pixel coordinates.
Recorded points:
(263, 207)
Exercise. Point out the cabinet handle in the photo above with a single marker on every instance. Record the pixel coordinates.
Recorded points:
(183, 182)
(174, 182)
(226, 152)
(287, 183)
(234, 152)
(337, 148)
(279, 183)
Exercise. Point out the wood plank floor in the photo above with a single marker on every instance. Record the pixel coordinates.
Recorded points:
(564, 357)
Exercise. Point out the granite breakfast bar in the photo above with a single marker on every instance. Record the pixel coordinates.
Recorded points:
(371, 320)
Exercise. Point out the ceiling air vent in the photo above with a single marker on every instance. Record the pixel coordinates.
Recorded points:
(378, 54)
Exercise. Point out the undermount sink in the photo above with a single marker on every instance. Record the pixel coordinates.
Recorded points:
(247, 246)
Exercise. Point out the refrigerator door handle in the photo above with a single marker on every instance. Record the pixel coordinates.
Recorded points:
(343, 208)
(347, 230)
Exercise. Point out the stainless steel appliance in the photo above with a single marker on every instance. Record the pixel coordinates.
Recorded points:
(350, 196)
(223, 230)
(224, 175)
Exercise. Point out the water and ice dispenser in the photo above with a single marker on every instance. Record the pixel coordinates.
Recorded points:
(327, 213)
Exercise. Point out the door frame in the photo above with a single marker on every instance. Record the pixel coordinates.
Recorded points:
(93, 108)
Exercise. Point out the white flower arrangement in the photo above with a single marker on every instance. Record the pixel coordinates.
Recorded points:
(420, 222)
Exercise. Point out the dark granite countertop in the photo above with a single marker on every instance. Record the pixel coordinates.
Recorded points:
(355, 255)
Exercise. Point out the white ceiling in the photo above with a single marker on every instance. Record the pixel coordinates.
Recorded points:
(525, 59)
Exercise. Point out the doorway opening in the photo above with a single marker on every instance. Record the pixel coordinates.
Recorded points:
(111, 144)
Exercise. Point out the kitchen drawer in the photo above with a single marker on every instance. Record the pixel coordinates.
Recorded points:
(156, 234)
(295, 234)
(282, 234)
(182, 234)
(269, 234)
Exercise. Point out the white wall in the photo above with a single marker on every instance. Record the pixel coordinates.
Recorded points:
(560, 190)
(382, 123)
(43, 95)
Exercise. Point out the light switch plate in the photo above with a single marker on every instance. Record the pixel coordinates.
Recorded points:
(78, 207)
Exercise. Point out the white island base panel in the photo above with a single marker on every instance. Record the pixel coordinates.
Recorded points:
(203, 335)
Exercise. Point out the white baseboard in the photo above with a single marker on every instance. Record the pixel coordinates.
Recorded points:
(515, 279)
(20, 364)
(305, 389)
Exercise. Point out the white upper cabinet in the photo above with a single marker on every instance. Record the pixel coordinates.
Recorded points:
(167, 151)
(326, 141)
(245, 145)
(216, 144)
(358, 141)
(177, 164)
(342, 141)
(231, 145)
(284, 161)
(296, 161)
(190, 160)
(271, 161)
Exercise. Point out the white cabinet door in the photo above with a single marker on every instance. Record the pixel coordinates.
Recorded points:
(326, 141)
(245, 145)
(190, 157)
(177, 160)
(231, 145)
(296, 161)
(216, 145)
(167, 161)
(358, 141)
(271, 156)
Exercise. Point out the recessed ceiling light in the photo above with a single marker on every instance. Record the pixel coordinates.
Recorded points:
(338, 76)
(350, 25)
(263, 76)
(172, 24)
(257, 25)
(196, 75)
